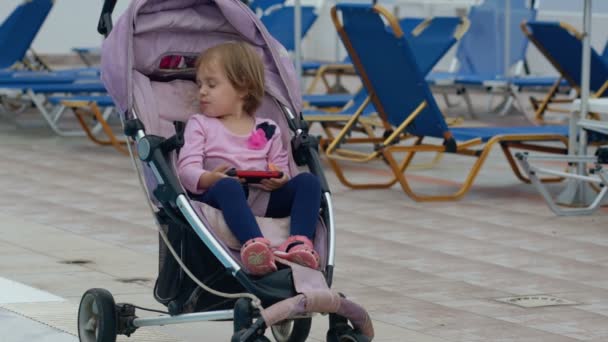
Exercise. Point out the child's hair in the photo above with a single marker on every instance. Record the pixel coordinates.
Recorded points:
(243, 68)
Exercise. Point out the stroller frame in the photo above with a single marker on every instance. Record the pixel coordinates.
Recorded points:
(153, 151)
(274, 300)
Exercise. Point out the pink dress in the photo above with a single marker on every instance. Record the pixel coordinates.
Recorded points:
(209, 144)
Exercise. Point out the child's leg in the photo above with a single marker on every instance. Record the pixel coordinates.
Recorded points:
(228, 196)
(300, 198)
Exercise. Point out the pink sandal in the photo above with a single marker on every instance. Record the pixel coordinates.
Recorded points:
(257, 257)
(299, 249)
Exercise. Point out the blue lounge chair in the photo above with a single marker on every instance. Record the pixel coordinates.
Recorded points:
(17, 33)
(259, 6)
(561, 44)
(279, 23)
(19, 30)
(404, 101)
(87, 54)
(430, 38)
(479, 61)
(319, 70)
(36, 93)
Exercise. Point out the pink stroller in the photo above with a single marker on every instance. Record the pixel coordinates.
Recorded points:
(147, 69)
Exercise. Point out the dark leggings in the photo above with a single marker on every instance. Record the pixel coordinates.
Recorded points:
(299, 198)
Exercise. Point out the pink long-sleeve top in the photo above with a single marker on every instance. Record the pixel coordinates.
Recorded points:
(208, 144)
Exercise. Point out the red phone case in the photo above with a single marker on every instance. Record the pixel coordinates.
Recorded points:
(252, 175)
(259, 174)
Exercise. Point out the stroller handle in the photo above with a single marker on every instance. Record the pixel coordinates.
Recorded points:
(104, 26)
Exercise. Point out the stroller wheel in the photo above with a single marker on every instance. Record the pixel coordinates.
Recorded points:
(292, 330)
(345, 333)
(97, 317)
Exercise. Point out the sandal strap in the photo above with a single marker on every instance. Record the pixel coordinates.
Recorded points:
(293, 244)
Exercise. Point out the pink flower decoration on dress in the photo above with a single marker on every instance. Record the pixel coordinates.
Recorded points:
(257, 140)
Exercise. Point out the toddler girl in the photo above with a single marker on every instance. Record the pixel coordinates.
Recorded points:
(227, 134)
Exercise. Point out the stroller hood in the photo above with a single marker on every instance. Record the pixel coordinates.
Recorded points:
(150, 29)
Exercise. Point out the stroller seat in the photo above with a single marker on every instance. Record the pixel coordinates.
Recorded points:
(175, 101)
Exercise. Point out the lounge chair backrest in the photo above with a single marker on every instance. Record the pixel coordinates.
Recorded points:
(434, 41)
(279, 22)
(19, 30)
(388, 68)
(605, 53)
(262, 5)
(428, 46)
(562, 46)
(482, 50)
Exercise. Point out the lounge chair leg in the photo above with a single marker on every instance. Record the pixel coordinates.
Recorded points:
(463, 189)
(448, 103)
(540, 110)
(469, 103)
(52, 118)
(518, 105)
(506, 149)
(112, 139)
(505, 106)
(357, 186)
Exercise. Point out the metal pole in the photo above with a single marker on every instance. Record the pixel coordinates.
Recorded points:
(184, 318)
(507, 36)
(585, 80)
(337, 45)
(297, 31)
(578, 193)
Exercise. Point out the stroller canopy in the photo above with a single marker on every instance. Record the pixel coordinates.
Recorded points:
(152, 29)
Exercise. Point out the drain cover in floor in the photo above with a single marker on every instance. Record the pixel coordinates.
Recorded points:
(535, 301)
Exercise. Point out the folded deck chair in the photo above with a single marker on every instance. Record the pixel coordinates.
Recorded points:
(480, 57)
(404, 101)
(596, 176)
(19, 30)
(562, 45)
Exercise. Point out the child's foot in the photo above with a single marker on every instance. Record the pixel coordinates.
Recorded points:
(299, 249)
(257, 257)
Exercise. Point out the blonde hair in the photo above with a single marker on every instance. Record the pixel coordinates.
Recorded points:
(243, 68)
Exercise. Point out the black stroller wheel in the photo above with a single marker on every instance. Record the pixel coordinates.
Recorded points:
(292, 330)
(349, 336)
(345, 333)
(97, 317)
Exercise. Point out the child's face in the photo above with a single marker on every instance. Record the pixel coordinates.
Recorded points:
(217, 96)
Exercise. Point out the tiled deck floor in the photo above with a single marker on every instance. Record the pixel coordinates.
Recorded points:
(425, 271)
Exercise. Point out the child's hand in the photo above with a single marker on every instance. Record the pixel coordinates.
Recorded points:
(209, 178)
(274, 183)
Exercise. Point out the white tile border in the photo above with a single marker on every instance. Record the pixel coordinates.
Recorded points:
(14, 292)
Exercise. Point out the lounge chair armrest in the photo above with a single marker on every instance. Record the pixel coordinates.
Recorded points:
(462, 28)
